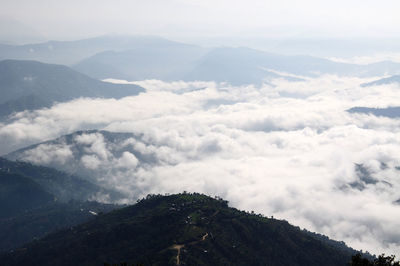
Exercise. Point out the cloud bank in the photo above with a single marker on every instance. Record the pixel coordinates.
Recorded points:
(289, 150)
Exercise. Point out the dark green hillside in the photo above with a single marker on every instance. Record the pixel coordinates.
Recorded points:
(184, 229)
(43, 219)
(63, 186)
(28, 85)
(35, 201)
(19, 193)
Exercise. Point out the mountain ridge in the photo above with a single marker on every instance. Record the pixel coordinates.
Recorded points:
(28, 85)
(181, 229)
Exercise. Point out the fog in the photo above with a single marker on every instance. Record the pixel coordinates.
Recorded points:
(288, 149)
(201, 20)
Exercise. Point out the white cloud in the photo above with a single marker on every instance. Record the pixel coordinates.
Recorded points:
(91, 161)
(370, 59)
(45, 154)
(127, 160)
(263, 149)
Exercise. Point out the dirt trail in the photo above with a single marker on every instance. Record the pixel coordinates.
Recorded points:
(178, 248)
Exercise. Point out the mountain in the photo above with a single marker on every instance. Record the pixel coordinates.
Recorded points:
(28, 85)
(35, 201)
(43, 218)
(71, 52)
(149, 57)
(158, 60)
(391, 112)
(97, 155)
(43, 181)
(384, 81)
(237, 66)
(183, 229)
(19, 194)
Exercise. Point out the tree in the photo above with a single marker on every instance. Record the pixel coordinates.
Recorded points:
(382, 260)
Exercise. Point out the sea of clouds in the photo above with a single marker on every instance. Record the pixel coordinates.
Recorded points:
(287, 149)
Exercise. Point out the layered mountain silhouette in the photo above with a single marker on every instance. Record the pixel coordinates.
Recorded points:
(391, 112)
(183, 229)
(384, 81)
(236, 66)
(28, 85)
(148, 57)
(71, 52)
(156, 60)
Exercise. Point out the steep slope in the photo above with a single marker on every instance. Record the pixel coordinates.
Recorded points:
(184, 229)
(19, 194)
(63, 186)
(42, 219)
(35, 201)
(27, 85)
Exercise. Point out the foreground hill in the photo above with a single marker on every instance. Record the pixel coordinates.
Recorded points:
(42, 219)
(28, 85)
(19, 193)
(184, 229)
(35, 201)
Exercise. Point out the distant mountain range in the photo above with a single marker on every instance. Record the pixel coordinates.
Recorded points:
(146, 57)
(71, 52)
(391, 112)
(236, 66)
(28, 85)
(384, 81)
(183, 229)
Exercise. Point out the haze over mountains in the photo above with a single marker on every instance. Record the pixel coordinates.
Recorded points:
(143, 57)
(29, 85)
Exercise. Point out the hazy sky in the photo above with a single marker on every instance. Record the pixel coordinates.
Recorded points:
(205, 18)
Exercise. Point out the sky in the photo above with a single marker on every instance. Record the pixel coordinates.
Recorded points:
(185, 19)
